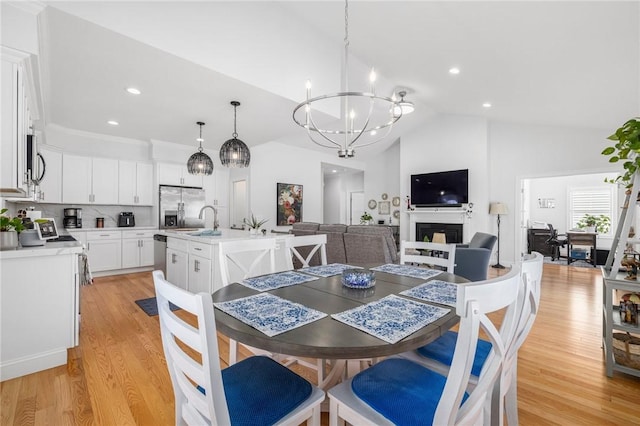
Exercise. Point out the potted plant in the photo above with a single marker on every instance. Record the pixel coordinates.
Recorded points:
(254, 224)
(626, 149)
(9, 229)
(365, 219)
(592, 223)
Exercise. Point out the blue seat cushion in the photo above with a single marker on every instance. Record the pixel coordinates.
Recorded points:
(400, 390)
(261, 391)
(443, 347)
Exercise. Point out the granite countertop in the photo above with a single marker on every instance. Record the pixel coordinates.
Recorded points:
(226, 234)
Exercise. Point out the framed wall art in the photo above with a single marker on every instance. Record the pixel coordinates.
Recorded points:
(384, 207)
(289, 204)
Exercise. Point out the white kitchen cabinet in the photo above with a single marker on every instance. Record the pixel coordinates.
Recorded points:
(18, 109)
(89, 180)
(177, 174)
(200, 267)
(137, 249)
(104, 249)
(135, 183)
(200, 274)
(177, 267)
(51, 186)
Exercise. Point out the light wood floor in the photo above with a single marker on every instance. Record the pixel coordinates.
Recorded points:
(117, 376)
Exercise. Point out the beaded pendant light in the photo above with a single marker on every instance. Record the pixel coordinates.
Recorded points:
(200, 163)
(234, 152)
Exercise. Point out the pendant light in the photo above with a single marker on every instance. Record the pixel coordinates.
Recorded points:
(234, 152)
(200, 163)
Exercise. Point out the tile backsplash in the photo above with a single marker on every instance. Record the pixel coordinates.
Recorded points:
(143, 215)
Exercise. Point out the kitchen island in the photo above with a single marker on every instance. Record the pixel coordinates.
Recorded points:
(39, 307)
(192, 256)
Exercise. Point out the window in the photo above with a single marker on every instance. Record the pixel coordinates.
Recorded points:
(594, 201)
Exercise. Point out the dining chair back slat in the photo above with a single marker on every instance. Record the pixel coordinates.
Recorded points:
(243, 259)
(304, 248)
(424, 253)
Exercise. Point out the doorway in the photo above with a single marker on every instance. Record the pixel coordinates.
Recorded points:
(356, 207)
(239, 203)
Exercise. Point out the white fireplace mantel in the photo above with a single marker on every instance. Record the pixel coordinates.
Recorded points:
(440, 215)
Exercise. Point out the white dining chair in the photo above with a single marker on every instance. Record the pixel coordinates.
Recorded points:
(243, 259)
(438, 355)
(304, 248)
(254, 391)
(423, 253)
(400, 391)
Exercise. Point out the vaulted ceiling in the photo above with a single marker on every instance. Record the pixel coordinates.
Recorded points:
(545, 63)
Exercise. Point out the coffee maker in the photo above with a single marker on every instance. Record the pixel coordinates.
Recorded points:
(72, 218)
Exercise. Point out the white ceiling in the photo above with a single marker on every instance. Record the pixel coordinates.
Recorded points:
(545, 63)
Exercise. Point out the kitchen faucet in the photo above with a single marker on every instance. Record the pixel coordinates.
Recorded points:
(215, 215)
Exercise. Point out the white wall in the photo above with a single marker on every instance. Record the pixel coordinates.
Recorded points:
(382, 178)
(333, 196)
(448, 142)
(524, 151)
(275, 162)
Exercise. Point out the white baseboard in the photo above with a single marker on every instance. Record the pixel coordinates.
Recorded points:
(32, 364)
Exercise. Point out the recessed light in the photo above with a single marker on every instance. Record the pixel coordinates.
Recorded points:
(133, 90)
(454, 70)
(334, 171)
(486, 105)
(113, 122)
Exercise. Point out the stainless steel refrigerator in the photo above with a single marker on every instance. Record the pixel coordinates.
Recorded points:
(179, 207)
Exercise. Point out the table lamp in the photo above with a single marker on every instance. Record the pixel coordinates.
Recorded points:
(498, 209)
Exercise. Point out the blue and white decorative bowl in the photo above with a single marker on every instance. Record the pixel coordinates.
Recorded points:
(358, 278)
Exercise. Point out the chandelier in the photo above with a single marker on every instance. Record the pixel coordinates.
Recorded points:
(234, 152)
(200, 163)
(365, 117)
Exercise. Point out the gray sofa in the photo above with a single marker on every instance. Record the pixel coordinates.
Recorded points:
(359, 245)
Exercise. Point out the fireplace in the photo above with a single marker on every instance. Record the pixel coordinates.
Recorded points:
(452, 231)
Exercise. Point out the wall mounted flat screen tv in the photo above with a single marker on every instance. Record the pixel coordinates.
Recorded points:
(441, 189)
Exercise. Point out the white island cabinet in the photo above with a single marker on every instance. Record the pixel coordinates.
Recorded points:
(39, 307)
(192, 261)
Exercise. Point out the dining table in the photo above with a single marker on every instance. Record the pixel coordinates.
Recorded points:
(328, 338)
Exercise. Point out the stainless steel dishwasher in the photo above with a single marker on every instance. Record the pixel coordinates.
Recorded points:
(160, 253)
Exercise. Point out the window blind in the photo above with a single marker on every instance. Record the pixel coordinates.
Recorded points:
(593, 201)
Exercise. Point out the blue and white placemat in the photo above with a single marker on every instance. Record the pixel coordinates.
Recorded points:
(273, 281)
(435, 291)
(270, 314)
(328, 270)
(392, 318)
(408, 270)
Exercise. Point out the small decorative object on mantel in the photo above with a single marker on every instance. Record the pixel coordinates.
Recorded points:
(358, 278)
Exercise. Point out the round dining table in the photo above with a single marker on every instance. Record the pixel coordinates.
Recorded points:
(328, 338)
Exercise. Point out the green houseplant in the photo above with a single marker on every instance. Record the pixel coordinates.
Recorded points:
(365, 219)
(626, 149)
(254, 224)
(600, 223)
(9, 229)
